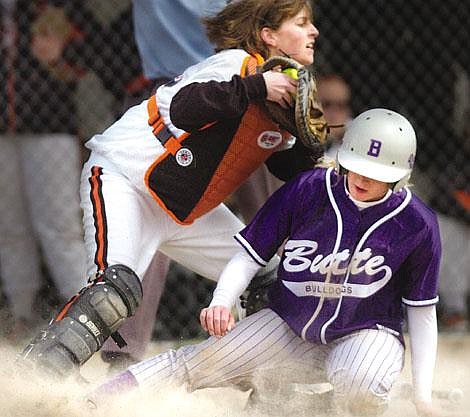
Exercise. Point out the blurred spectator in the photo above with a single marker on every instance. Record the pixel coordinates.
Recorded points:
(453, 208)
(39, 159)
(170, 36)
(334, 94)
(107, 47)
(401, 55)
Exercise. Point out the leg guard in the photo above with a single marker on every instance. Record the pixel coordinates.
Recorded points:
(86, 322)
(255, 296)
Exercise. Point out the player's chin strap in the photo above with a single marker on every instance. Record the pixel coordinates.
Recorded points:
(255, 297)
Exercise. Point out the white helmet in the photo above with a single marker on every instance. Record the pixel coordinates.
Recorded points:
(379, 144)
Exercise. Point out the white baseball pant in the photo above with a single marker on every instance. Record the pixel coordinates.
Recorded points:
(134, 227)
(362, 366)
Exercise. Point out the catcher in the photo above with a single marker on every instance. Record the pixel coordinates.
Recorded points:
(156, 179)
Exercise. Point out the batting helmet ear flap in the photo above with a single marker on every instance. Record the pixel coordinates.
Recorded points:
(339, 168)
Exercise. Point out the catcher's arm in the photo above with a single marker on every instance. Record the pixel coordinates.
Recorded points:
(288, 163)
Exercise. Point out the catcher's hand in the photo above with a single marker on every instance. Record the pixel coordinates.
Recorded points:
(256, 296)
(305, 119)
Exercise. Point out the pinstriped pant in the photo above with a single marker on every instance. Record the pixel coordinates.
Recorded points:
(361, 367)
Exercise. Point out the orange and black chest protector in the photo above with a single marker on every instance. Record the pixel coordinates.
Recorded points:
(199, 170)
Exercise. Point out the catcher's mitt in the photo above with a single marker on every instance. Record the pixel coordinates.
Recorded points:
(305, 120)
(256, 296)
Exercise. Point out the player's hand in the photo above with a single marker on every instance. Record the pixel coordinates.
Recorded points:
(217, 320)
(280, 87)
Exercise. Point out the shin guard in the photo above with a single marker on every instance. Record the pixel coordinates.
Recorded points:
(86, 321)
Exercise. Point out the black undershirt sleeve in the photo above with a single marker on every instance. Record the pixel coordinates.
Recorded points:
(285, 165)
(197, 104)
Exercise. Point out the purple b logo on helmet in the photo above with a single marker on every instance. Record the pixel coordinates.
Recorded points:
(374, 149)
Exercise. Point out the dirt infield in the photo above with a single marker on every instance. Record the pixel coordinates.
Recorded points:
(23, 395)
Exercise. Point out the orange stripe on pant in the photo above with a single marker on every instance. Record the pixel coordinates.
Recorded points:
(99, 215)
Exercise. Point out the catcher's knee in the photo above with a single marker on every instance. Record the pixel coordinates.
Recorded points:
(256, 296)
(86, 321)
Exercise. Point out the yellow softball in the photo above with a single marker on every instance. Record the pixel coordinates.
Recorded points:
(291, 72)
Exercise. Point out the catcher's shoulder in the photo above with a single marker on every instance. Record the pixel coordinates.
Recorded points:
(230, 57)
(221, 66)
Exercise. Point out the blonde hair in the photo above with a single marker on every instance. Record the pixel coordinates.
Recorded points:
(238, 25)
(326, 162)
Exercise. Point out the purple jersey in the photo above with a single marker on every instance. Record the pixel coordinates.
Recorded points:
(344, 269)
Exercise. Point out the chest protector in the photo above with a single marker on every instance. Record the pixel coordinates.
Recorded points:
(199, 170)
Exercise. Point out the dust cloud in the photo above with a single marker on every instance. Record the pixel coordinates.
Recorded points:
(24, 393)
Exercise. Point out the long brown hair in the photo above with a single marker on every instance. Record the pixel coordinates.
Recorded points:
(239, 24)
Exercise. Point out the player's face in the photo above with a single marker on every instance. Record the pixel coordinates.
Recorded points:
(365, 189)
(295, 38)
(335, 96)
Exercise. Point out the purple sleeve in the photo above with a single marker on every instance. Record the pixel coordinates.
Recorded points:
(422, 267)
(272, 224)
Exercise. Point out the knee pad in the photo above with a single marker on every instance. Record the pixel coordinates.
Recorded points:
(84, 324)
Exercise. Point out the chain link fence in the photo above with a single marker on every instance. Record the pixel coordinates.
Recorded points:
(410, 56)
